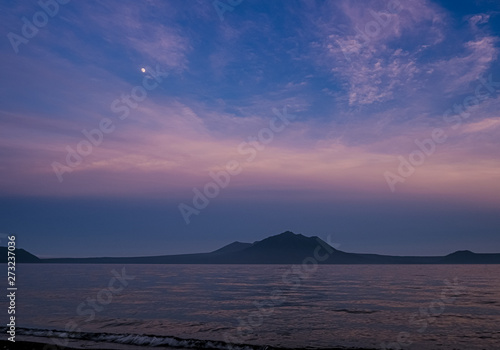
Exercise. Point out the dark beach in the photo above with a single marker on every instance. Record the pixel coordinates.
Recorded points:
(29, 345)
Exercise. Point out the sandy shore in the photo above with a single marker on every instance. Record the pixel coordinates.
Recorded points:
(26, 345)
(29, 345)
(35, 344)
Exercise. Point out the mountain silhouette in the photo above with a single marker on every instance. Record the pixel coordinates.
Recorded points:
(285, 248)
(468, 257)
(232, 248)
(21, 255)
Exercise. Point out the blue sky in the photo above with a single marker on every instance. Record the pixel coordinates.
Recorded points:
(374, 122)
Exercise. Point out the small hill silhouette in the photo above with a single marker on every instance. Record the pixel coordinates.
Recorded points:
(21, 255)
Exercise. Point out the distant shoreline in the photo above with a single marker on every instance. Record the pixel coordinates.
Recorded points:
(282, 249)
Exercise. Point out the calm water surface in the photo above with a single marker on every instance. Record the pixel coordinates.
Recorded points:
(410, 306)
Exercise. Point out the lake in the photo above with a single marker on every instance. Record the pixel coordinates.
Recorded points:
(223, 306)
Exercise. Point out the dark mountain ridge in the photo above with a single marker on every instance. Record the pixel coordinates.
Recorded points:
(285, 248)
(21, 256)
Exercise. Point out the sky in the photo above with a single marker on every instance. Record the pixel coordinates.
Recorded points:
(163, 127)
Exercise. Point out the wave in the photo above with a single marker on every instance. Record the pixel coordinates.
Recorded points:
(136, 339)
(355, 311)
(147, 340)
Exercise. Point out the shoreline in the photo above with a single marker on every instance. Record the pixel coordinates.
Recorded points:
(34, 345)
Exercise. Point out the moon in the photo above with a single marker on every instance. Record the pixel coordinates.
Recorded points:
(143, 70)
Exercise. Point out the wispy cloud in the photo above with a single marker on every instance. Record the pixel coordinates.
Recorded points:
(361, 98)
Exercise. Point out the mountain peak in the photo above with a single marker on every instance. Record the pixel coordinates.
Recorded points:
(462, 253)
(287, 234)
(287, 241)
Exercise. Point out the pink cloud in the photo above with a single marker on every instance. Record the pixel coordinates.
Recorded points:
(484, 125)
(176, 155)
